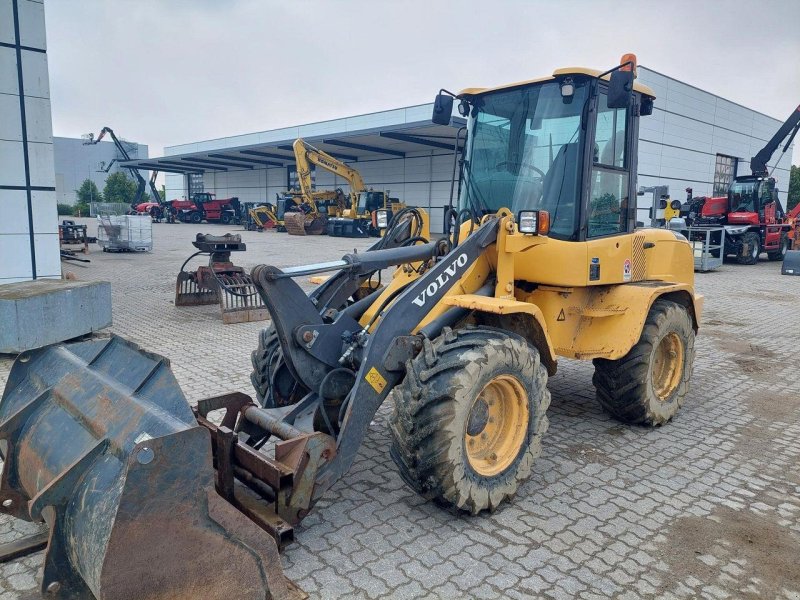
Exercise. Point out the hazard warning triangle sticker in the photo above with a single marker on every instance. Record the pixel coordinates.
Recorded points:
(561, 316)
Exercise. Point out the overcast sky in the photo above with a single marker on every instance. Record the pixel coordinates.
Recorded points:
(174, 71)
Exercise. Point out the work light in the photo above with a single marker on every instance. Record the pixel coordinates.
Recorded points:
(528, 221)
(382, 219)
(535, 222)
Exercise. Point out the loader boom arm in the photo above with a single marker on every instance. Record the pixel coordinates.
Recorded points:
(384, 349)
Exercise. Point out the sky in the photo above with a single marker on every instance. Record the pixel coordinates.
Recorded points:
(174, 71)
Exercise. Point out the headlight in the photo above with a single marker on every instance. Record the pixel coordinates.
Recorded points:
(382, 219)
(735, 229)
(536, 222)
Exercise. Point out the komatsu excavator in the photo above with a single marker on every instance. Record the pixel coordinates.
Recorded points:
(459, 332)
(356, 217)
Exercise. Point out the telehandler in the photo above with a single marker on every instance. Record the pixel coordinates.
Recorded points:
(544, 262)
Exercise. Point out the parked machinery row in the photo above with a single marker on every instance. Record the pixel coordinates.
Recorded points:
(302, 211)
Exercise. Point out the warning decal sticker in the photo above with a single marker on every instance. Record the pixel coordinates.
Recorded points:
(376, 380)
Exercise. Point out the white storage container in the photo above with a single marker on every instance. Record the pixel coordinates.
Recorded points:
(125, 233)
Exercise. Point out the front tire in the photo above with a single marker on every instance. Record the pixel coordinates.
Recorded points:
(751, 249)
(274, 384)
(469, 418)
(783, 248)
(648, 385)
(196, 217)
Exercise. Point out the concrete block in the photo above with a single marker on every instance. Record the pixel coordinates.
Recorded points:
(42, 312)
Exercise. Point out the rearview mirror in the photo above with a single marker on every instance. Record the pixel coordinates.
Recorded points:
(620, 88)
(646, 107)
(442, 109)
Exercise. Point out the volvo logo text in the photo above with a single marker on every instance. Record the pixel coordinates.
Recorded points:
(440, 281)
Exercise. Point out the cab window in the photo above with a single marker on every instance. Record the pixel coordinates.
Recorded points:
(608, 200)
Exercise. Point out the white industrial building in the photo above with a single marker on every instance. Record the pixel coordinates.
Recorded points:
(76, 161)
(692, 139)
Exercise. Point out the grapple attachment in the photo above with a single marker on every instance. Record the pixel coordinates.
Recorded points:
(221, 281)
(100, 443)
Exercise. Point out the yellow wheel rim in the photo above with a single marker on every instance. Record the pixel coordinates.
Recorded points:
(497, 425)
(667, 365)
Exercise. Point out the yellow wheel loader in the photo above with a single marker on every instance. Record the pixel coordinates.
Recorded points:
(460, 330)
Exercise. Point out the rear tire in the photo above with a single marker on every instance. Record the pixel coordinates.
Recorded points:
(225, 219)
(469, 418)
(274, 384)
(783, 248)
(648, 385)
(751, 249)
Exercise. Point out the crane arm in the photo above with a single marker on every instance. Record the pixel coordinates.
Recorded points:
(142, 184)
(758, 164)
(305, 154)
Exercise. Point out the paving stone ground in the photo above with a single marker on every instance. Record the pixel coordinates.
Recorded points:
(705, 506)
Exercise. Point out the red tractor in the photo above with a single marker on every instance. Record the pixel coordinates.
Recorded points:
(205, 207)
(753, 218)
(752, 215)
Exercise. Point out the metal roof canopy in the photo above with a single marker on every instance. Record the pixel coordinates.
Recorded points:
(391, 141)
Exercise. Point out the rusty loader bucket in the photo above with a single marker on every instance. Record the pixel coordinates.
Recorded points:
(220, 282)
(99, 442)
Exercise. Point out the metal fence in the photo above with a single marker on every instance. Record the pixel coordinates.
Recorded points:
(108, 208)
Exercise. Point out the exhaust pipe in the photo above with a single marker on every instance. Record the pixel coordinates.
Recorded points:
(100, 443)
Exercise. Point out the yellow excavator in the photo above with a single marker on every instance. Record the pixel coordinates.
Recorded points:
(354, 218)
(263, 217)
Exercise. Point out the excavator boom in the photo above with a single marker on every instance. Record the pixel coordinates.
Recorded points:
(305, 155)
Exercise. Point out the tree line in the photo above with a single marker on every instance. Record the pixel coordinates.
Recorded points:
(119, 188)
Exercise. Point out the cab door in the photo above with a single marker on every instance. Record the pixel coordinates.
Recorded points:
(611, 194)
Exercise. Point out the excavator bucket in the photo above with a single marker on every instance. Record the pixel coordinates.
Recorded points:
(299, 223)
(99, 442)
